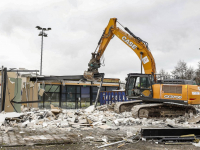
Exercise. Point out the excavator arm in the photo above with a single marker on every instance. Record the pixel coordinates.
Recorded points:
(139, 46)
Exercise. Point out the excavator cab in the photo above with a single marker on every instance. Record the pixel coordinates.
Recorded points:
(139, 85)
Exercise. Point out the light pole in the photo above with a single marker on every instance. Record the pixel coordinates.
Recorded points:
(43, 34)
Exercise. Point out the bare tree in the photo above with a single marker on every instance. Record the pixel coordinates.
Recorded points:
(197, 74)
(190, 73)
(164, 74)
(180, 70)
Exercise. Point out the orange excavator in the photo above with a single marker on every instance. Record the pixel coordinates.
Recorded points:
(151, 97)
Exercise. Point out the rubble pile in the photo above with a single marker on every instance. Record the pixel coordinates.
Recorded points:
(103, 117)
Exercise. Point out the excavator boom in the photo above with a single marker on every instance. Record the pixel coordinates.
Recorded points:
(139, 46)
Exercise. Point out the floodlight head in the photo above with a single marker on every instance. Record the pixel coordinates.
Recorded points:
(45, 35)
(40, 34)
(48, 28)
(38, 27)
(44, 28)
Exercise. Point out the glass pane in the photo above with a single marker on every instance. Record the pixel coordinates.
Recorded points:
(63, 97)
(78, 97)
(52, 97)
(131, 85)
(70, 105)
(47, 88)
(70, 97)
(64, 104)
(103, 88)
(137, 84)
(64, 89)
(71, 89)
(110, 88)
(58, 89)
(85, 97)
(145, 83)
(78, 89)
(48, 104)
(94, 97)
(40, 105)
(85, 92)
(55, 88)
(94, 89)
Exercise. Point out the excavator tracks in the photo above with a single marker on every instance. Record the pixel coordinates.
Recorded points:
(154, 110)
(125, 106)
(162, 110)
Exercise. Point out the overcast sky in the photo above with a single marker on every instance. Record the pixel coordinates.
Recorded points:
(171, 27)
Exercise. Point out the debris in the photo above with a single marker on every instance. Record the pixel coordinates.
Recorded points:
(89, 109)
(41, 92)
(55, 110)
(89, 121)
(121, 145)
(154, 133)
(111, 144)
(170, 121)
(101, 119)
(129, 134)
(196, 144)
(89, 137)
(194, 119)
(105, 127)
(64, 124)
(143, 139)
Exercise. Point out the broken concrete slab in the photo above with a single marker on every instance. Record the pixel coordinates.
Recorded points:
(89, 121)
(90, 109)
(55, 110)
(64, 124)
(194, 119)
(41, 92)
(105, 127)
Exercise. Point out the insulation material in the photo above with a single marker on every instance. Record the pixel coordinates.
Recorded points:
(29, 91)
(35, 95)
(31, 84)
(12, 74)
(23, 81)
(32, 91)
(24, 97)
(41, 92)
(10, 90)
(17, 94)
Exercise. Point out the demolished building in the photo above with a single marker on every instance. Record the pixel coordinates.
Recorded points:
(25, 87)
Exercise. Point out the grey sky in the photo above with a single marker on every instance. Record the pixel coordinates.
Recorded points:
(171, 27)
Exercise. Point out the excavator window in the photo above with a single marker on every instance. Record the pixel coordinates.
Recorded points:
(139, 86)
(145, 83)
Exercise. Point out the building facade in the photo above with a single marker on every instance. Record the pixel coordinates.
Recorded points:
(72, 94)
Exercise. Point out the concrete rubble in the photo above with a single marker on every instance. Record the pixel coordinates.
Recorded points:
(102, 118)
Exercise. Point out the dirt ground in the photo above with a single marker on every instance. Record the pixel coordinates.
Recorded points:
(142, 145)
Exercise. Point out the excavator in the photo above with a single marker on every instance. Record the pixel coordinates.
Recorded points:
(150, 96)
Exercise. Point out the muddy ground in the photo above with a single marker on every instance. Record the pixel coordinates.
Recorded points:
(142, 145)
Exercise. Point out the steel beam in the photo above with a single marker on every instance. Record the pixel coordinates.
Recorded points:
(158, 133)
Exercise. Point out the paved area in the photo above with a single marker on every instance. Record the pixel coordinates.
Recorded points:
(27, 137)
(69, 138)
(20, 137)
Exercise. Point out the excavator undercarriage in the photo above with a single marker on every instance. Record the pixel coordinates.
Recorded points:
(140, 109)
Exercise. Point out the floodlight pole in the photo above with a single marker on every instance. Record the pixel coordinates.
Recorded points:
(41, 53)
(43, 34)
